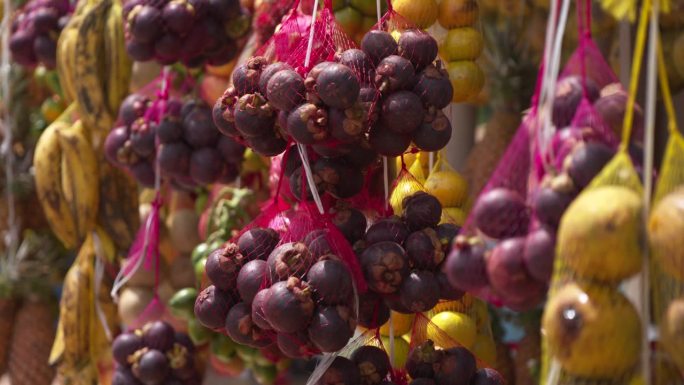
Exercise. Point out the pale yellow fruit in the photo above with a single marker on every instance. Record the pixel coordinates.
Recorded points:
(601, 234)
(448, 186)
(132, 302)
(463, 305)
(182, 225)
(457, 326)
(422, 13)
(454, 215)
(464, 43)
(485, 349)
(665, 229)
(672, 332)
(457, 13)
(402, 324)
(401, 350)
(466, 78)
(593, 331)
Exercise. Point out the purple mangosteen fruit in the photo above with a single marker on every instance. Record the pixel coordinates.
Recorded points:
(387, 142)
(289, 307)
(254, 116)
(394, 73)
(540, 248)
(389, 229)
(291, 259)
(152, 367)
(418, 46)
(258, 303)
(569, 94)
(424, 249)
(378, 45)
(385, 265)
(159, 335)
(434, 87)
(419, 291)
(330, 281)
(246, 77)
(421, 210)
(285, 90)
(253, 276)
(223, 266)
(434, 133)
(501, 213)
(268, 72)
(351, 223)
(446, 290)
(212, 306)
(507, 272)
(465, 266)
(456, 366)
(373, 312)
(331, 327)
(586, 161)
(373, 364)
(487, 376)
(308, 124)
(337, 86)
(296, 345)
(124, 346)
(402, 112)
(258, 243)
(342, 371)
(242, 330)
(421, 360)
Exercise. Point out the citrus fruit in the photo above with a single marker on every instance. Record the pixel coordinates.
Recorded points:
(401, 350)
(457, 326)
(453, 215)
(402, 324)
(467, 79)
(422, 13)
(485, 349)
(463, 305)
(457, 13)
(463, 43)
(448, 186)
(350, 19)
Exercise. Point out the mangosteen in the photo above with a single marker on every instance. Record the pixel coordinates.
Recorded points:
(389, 229)
(424, 249)
(133, 108)
(223, 110)
(351, 223)
(308, 124)
(329, 170)
(373, 312)
(349, 124)
(170, 130)
(357, 60)
(223, 266)
(385, 265)
(139, 51)
(446, 232)
(117, 147)
(388, 142)
(540, 248)
(292, 160)
(446, 290)
(258, 243)
(331, 327)
(402, 112)
(351, 183)
(378, 45)
(330, 281)
(337, 86)
(487, 376)
(421, 360)
(394, 73)
(152, 367)
(569, 94)
(124, 346)
(185, 341)
(317, 242)
(158, 335)
(417, 46)
(198, 127)
(268, 72)
(421, 210)
(206, 165)
(550, 204)
(419, 291)
(466, 266)
(246, 76)
(174, 158)
(142, 136)
(253, 276)
(434, 87)
(300, 187)
(373, 364)
(178, 16)
(434, 133)
(296, 345)
(145, 23)
(270, 144)
(507, 272)
(456, 366)
(258, 304)
(285, 90)
(254, 116)
(212, 306)
(231, 150)
(501, 213)
(396, 304)
(288, 306)
(143, 172)
(288, 260)
(586, 161)
(611, 107)
(363, 154)
(124, 376)
(241, 329)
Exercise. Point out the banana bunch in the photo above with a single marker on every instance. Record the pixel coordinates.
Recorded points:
(92, 63)
(88, 317)
(118, 211)
(66, 176)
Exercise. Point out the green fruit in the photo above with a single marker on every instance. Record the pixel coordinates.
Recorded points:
(198, 333)
(200, 251)
(246, 353)
(265, 375)
(367, 7)
(223, 347)
(350, 19)
(182, 303)
(199, 269)
(259, 359)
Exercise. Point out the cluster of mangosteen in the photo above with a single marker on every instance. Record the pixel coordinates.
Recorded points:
(190, 150)
(154, 355)
(367, 365)
(298, 295)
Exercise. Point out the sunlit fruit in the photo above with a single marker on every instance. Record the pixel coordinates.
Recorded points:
(664, 230)
(422, 13)
(467, 79)
(463, 43)
(457, 326)
(457, 13)
(402, 324)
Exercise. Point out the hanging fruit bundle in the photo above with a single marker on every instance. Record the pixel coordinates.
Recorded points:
(35, 29)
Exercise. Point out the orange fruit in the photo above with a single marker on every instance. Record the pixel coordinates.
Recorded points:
(462, 44)
(422, 13)
(467, 79)
(457, 13)
(349, 19)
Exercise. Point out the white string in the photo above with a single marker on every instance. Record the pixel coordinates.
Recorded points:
(378, 10)
(391, 340)
(385, 177)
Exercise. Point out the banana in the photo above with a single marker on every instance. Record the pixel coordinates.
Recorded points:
(118, 209)
(118, 63)
(66, 54)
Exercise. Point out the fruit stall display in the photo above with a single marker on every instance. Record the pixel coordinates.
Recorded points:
(230, 191)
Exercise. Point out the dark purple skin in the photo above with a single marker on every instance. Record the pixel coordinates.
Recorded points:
(569, 94)
(289, 307)
(540, 247)
(229, 174)
(446, 291)
(125, 345)
(246, 77)
(116, 139)
(253, 276)
(152, 368)
(342, 371)
(21, 47)
(434, 133)
(139, 51)
(174, 158)
(178, 17)
(337, 86)
(258, 304)
(352, 183)
(329, 170)
(421, 360)
(331, 327)
(357, 60)
(419, 291)
(362, 156)
(385, 266)
(298, 180)
(378, 45)
(402, 112)
(168, 48)
(227, 52)
(224, 10)
(267, 145)
(132, 108)
(241, 329)
(424, 249)
(549, 205)
(318, 245)
(507, 272)
(433, 87)
(351, 223)
(268, 72)
(389, 229)
(421, 210)
(211, 307)
(466, 266)
(456, 366)
(223, 266)
(587, 161)
(206, 165)
(169, 130)
(185, 341)
(308, 124)
(123, 376)
(159, 335)
(285, 90)
(291, 259)
(146, 24)
(387, 142)
(45, 19)
(143, 172)
(611, 108)
(199, 129)
(45, 49)
(487, 376)
(296, 345)
(258, 243)
(501, 213)
(222, 113)
(373, 312)
(447, 232)
(231, 150)
(395, 303)
(332, 149)
(422, 381)
(373, 364)
(193, 45)
(292, 160)
(394, 73)
(417, 46)
(254, 117)
(330, 281)
(347, 125)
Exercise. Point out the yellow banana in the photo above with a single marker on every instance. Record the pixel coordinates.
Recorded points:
(66, 52)
(118, 63)
(118, 208)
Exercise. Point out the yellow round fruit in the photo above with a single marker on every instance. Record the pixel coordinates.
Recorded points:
(466, 78)
(457, 326)
(401, 350)
(448, 186)
(422, 13)
(349, 19)
(485, 349)
(457, 13)
(402, 324)
(593, 331)
(462, 305)
(462, 44)
(453, 215)
(665, 228)
(672, 331)
(600, 235)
